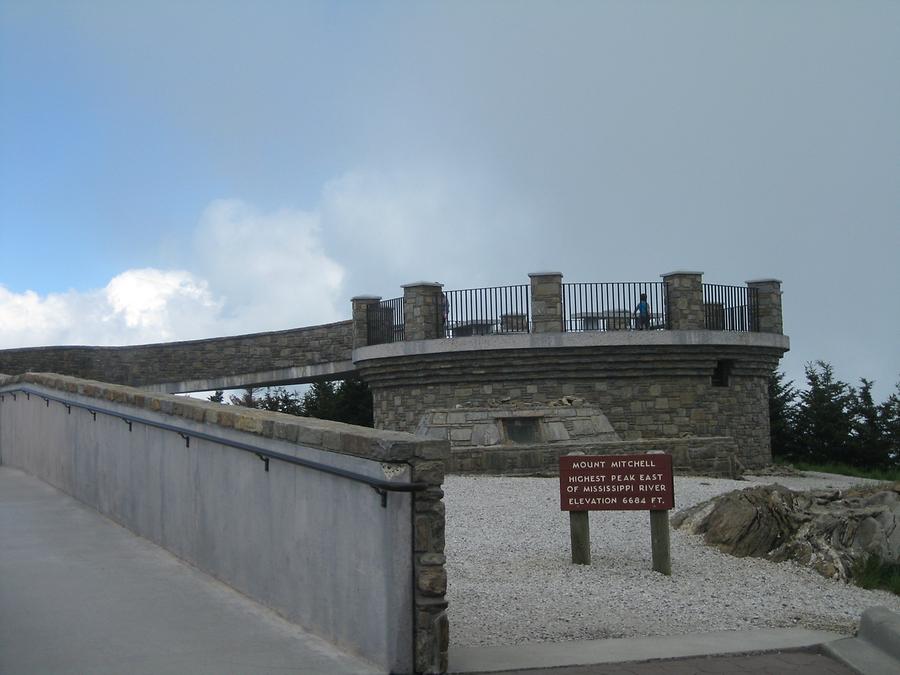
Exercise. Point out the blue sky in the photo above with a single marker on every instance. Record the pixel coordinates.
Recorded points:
(177, 170)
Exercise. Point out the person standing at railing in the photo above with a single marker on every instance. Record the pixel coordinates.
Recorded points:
(642, 313)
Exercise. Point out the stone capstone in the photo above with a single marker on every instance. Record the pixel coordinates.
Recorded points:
(830, 531)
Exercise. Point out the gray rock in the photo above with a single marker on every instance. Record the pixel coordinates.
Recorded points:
(827, 530)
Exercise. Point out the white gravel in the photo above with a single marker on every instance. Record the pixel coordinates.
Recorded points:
(511, 579)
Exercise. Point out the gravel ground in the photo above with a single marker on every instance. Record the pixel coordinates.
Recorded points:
(511, 579)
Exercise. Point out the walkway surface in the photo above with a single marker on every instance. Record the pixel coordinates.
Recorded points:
(781, 663)
(80, 594)
(792, 651)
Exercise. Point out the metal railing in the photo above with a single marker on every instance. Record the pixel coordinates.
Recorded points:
(731, 307)
(614, 306)
(384, 322)
(382, 487)
(485, 311)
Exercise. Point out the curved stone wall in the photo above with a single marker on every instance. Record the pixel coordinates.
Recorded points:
(298, 355)
(665, 384)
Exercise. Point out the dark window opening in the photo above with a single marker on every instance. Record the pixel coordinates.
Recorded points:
(722, 373)
(522, 429)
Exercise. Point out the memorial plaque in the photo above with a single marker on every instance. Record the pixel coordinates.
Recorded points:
(616, 482)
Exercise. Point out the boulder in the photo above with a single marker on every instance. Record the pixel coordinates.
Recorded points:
(828, 530)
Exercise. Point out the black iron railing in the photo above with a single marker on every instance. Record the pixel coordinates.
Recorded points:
(731, 307)
(382, 487)
(614, 306)
(384, 322)
(485, 311)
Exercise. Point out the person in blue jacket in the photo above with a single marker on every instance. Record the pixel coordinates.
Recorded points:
(642, 313)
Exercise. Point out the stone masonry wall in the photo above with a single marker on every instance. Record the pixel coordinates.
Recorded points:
(714, 456)
(644, 392)
(480, 441)
(565, 421)
(192, 360)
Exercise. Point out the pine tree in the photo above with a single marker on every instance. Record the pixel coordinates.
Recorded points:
(869, 444)
(824, 418)
(783, 416)
(889, 412)
(319, 401)
(218, 397)
(353, 403)
(281, 400)
(247, 399)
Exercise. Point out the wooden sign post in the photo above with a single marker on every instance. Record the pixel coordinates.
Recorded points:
(618, 483)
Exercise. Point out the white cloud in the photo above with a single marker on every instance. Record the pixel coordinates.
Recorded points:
(254, 272)
(271, 268)
(432, 224)
(150, 300)
(29, 319)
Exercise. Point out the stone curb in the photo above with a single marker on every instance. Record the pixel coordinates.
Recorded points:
(626, 650)
(880, 627)
(876, 648)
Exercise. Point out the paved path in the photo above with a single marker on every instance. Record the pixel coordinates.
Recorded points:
(794, 650)
(778, 663)
(80, 594)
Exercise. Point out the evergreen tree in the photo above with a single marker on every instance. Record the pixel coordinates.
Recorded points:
(824, 418)
(783, 416)
(247, 399)
(280, 399)
(320, 401)
(350, 401)
(868, 442)
(889, 412)
(353, 403)
(218, 397)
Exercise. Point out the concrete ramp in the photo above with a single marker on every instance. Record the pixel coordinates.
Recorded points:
(80, 594)
(337, 528)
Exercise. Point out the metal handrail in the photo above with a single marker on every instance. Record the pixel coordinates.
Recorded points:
(382, 487)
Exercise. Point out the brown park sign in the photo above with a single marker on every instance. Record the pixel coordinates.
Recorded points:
(616, 482)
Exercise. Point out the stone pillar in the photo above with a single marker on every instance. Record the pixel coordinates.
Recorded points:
(422, 316)
(684, 300)
(769, 297)
(546, 302)
(432, 636)
(361, 304)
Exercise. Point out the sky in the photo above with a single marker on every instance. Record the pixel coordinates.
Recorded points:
(178, 170)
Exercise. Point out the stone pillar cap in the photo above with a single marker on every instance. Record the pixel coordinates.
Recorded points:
(423, 283)
(763, 281)
(365, 297)
(545, 274)
(671, 274)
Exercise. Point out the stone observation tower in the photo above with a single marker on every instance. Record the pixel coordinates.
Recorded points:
(514, 376)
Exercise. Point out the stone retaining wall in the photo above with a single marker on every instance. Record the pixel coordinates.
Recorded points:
(563, 421)
(174, 362)
(716, 457)
(645, 392)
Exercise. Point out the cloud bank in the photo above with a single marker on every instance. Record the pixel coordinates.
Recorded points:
(252, 271)
(242, 269)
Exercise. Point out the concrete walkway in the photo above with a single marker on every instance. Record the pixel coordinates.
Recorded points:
(775, 663)
(784, 651)
(80, 594)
